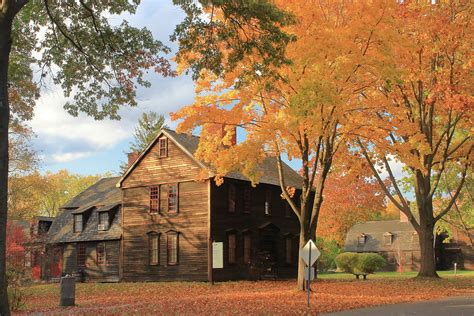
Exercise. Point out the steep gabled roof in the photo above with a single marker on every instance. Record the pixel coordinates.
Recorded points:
(189, 144)
(103, 192)
(403, 236)
(102, 195)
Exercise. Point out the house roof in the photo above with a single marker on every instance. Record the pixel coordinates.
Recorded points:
(44, 218)
(102, 195)
(189, 144)
(403, 237)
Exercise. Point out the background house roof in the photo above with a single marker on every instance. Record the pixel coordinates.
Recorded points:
(103, 192)
(100, 196)
(403, 234)
(269, 168)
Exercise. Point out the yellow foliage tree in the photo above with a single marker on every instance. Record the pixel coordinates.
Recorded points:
(303, 110)
(422, 110)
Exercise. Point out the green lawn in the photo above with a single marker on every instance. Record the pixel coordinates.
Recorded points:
(395, 275)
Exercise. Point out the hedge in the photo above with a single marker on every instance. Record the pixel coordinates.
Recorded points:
(352, 262)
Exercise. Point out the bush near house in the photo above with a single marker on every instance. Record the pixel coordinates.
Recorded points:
(346, 261)
(354, 263)
(329, 251)
(370, 262)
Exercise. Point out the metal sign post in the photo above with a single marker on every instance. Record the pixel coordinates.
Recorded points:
(309, 254)
(309, 275)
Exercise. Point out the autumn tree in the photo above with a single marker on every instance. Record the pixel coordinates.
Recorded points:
(348, 200)
(149, 124)
(60, 187)
(98, 65)
(300, 110)
(424, 116)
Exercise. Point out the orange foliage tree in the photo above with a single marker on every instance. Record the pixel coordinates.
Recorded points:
(303, 110)
(424, 115)
(348, 200)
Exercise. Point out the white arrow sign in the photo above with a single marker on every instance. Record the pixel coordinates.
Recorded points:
(309, 253)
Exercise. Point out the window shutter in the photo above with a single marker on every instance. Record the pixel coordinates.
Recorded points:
(231, 243)
(163, 200)
(231, 198)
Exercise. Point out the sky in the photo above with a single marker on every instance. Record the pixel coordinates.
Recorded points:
(85, 146)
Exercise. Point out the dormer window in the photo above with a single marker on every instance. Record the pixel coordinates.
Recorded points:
(387, 239)
(78, 223)
(103, 221)
(163, 147)
(362, 239)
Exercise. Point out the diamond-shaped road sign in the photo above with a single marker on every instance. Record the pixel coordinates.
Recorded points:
(309, 253)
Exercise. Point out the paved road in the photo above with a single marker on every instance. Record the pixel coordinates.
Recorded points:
(454, 306)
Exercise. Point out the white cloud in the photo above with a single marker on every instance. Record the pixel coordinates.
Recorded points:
(52, 121)
(64, 138)
(66, 157)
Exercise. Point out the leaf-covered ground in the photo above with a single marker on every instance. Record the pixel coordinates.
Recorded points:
(240, 298)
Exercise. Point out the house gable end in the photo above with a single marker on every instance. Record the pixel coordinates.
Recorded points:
(152, 167)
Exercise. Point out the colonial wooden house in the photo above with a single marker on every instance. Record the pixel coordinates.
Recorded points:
(171, 212)
(157, 221)
(398, 242)
(84, 239)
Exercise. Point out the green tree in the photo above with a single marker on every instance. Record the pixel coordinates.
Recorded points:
(98, 66)
(146, 130)
(461, 218)
(148, 127)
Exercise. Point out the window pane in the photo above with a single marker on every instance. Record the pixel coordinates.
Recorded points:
(268, 202)
(81, 255)
(173, 248)
(154, 198)
(163, 144)
(247, 200)
(77, 223)
(154, 249)
(101, 255)
(104, 218)
(173, 198)
(231, 243)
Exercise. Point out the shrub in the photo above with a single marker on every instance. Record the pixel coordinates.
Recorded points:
(16, 295)
(369, 262)
(347, 261)
(329, 251)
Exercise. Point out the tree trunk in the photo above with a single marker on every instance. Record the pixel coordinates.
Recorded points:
(5, 48)
(426, 229)
(304, 237)
(427, 248)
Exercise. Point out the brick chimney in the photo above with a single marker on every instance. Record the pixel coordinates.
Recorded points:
(403, 217)
(132, 157)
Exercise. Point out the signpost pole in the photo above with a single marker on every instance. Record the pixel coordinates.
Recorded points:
(309, 275)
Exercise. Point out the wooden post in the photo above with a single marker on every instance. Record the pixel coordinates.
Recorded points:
(209, 265)
(210, 276)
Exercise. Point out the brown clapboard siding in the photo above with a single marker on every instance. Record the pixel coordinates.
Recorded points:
(108, 272)
(223, 222)
(191, 221)
(152, 170)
